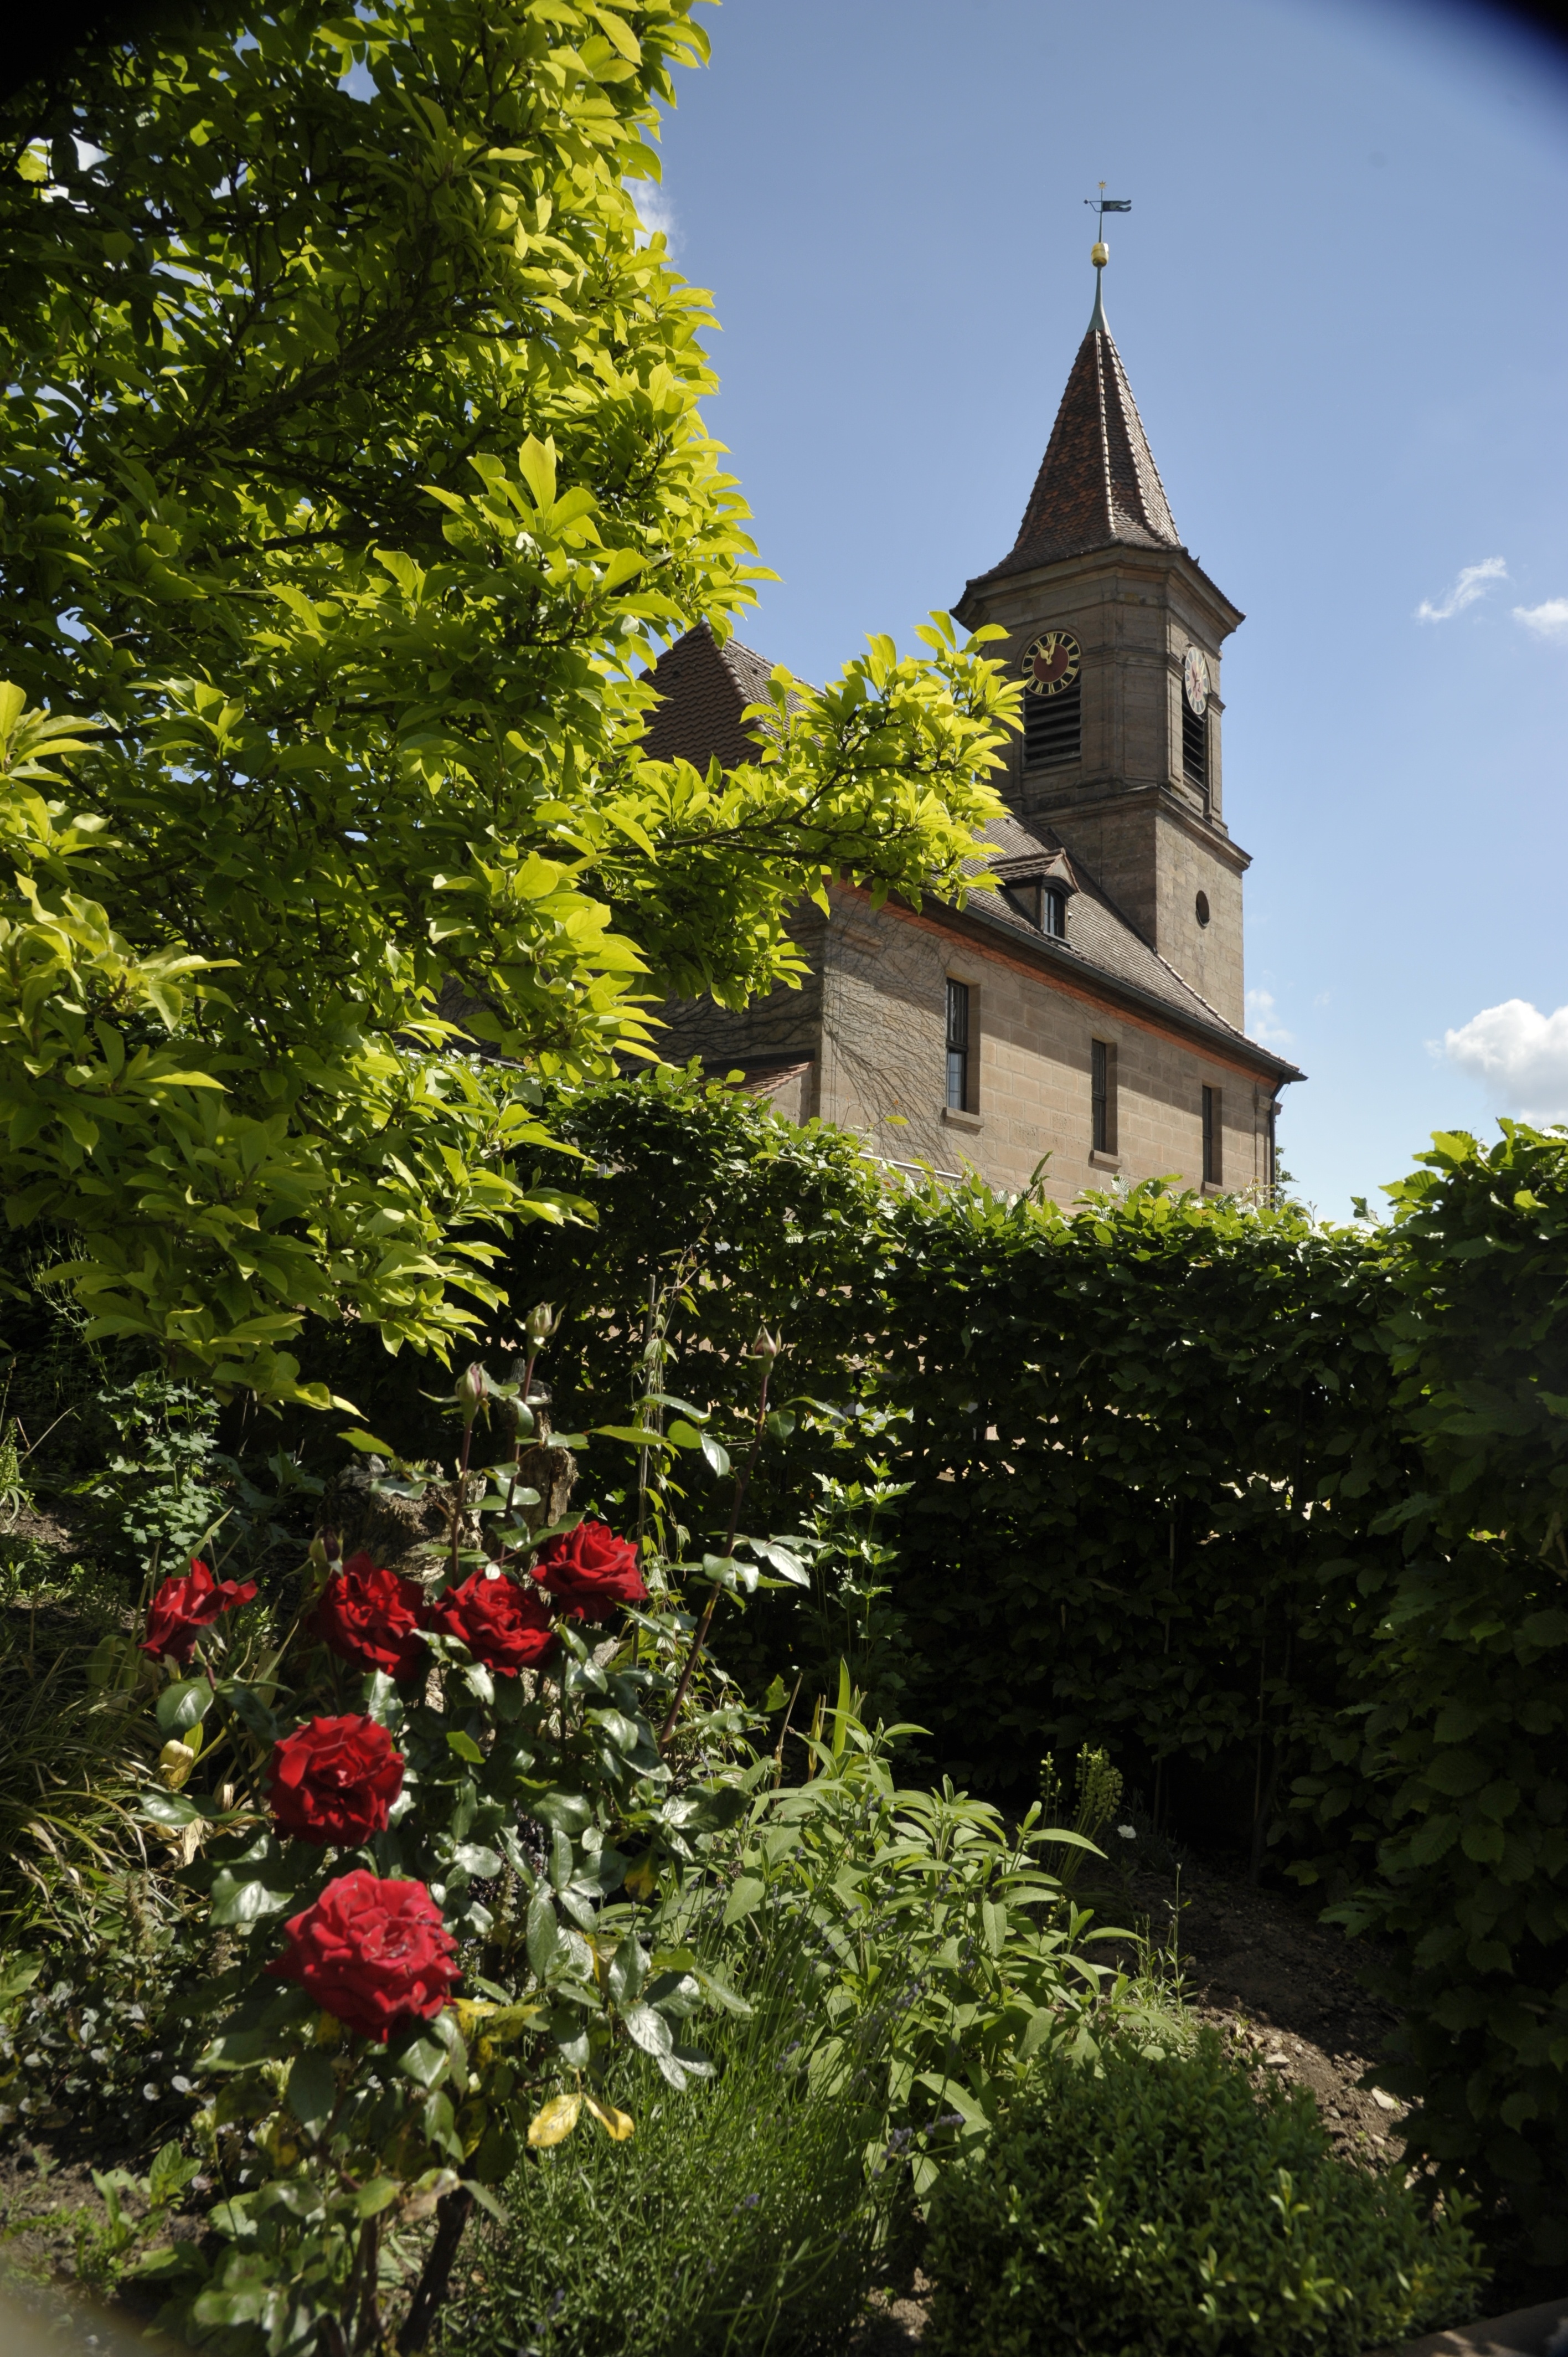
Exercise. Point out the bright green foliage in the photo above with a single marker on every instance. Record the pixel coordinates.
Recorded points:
(352, 470)
(1169, 2205)
(935, 1952)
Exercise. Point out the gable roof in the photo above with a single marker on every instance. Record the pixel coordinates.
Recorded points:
(706, 687)
(1098, 482)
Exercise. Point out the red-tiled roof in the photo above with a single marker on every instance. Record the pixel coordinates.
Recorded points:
(1098, 482)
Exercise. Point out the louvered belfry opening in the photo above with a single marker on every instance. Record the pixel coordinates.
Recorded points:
(1053, 727)
(1194, 747)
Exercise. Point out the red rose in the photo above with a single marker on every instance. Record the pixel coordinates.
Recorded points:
(590, 1571)
(503, 1625)
(372, 1617)
(186, 1605)
(334, 1780)
(371, 1952)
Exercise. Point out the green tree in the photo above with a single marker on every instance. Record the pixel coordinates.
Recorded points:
(351, 469)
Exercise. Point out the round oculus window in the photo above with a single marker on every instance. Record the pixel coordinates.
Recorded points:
(1201, 906)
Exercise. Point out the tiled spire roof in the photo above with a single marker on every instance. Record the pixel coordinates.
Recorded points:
(1098, 482)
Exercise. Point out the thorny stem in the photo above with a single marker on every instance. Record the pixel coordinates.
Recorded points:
(742, 1477)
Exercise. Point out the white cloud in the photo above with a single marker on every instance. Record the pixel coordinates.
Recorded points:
(1518, 1055)
(1261, 1019)
(1548, 621)
(657, 214)
(1472, 584)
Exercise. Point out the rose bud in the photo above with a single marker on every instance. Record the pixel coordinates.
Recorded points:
(471, 1390)
(590, 1571)
(371, 1954)
(540, 1326)
(334, 1780)
(183, 1606)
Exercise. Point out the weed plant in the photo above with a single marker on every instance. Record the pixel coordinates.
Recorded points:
(1172, 2205)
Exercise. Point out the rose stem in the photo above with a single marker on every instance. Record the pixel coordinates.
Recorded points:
(529, 1365)
(743, 1476)
(461, 1500)
(452, 2214)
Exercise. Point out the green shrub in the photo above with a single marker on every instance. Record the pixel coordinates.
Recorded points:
(1164, 2202)
(738, 2218)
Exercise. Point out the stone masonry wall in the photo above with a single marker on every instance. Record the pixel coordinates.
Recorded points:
(882, 1067)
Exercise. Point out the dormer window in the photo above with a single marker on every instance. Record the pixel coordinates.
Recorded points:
(1044, 904)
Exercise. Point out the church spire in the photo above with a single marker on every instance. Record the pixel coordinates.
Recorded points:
(1098, 482)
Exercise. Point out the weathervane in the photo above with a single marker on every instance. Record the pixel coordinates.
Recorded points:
(1100, 253)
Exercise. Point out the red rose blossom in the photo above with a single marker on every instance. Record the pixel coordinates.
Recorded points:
(504, 1625)
(590, 1571)
(372, 1617)
(371, 1952)
(334, 1780)
(187, 1605)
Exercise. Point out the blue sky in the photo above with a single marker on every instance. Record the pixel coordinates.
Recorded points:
(1342, 300)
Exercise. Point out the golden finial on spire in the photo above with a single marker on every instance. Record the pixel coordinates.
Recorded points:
(1100, 253)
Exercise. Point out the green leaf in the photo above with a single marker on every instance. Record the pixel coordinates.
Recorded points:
(184, 1705)
(238, 1900)
(170, 1808)
(464, 1746)
(312, 2088)
(423, 2059)
(647, 2029)
(745, 1896)
(369, 1445)
(16, 1974)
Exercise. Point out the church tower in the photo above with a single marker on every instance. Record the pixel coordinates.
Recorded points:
(1117, 633)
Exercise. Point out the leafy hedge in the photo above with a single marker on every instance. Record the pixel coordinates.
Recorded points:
(1170, 2203)
(1274, 1508)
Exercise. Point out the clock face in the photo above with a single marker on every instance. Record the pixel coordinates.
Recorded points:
(1051, 663)
(1195, 680)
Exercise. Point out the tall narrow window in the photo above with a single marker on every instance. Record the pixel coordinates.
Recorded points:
(1213, 1136)
(1053, 727)
(1053, 911)
(1103, 1095)
(957, 1048)
(1195, 748)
